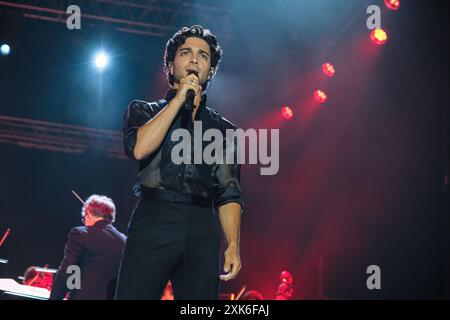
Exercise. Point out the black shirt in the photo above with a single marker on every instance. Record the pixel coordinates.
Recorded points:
(218, 181)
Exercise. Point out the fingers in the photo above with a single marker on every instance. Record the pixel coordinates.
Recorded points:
(193, 79)
(232, 267)
(190, 79)
(227, 266)
(235, 270)
(231, 275)
(192, 76)
(191, 82)
(224, 277)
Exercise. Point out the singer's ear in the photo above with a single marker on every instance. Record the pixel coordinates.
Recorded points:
(211, 72)
(171, 68)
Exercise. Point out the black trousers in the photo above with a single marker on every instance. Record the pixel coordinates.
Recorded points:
(170, 241)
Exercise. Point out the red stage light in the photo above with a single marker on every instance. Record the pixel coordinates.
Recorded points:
(392, 4)
(328, 69)
(378, 36)
(287, 113)
(320, 96)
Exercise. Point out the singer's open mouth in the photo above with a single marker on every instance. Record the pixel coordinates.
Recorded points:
(192, 71)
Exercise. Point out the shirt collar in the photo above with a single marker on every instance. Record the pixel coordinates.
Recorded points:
(101, 223)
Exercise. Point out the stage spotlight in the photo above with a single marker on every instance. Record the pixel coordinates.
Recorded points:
(378, 36)
(101, 60)
(320, 96)
(328, 69)
(392, 4)
(5, 49)
(287, 112)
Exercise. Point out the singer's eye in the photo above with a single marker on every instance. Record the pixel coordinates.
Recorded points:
(204, 57)
(184, 52)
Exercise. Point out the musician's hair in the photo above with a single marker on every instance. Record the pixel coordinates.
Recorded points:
(179, 38)
(100, 206)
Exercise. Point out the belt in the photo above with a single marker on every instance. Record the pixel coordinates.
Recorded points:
(173, 196)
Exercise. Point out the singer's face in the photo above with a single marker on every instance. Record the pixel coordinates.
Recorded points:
(194, 54)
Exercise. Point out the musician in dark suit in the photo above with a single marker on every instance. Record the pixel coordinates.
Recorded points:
(96, 249)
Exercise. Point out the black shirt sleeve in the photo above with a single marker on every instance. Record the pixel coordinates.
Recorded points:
(227, 175)
(136, 115)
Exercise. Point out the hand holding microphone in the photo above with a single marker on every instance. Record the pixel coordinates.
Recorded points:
(189, 87)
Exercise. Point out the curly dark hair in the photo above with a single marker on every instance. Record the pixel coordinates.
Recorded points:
(179, 38)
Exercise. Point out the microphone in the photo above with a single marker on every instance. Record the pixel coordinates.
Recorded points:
(189, 103)
(190, 96)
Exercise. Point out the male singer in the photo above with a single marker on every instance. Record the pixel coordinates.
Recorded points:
(174, 232)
